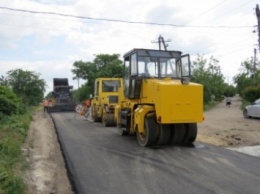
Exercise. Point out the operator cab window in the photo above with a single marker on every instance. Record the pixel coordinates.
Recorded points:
(147, 67)
(133, 65)
(142, 64)
(127, 74)
(110, 86)
(168, 68)
(96, 92)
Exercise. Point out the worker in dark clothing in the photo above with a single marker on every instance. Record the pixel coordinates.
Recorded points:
(228, 102)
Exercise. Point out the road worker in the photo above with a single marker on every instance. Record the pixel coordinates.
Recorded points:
(46, 105)
(88, 105)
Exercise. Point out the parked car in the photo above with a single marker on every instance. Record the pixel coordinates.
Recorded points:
(252, 110)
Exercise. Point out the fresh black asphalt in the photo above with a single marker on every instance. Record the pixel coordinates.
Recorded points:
(100, 161)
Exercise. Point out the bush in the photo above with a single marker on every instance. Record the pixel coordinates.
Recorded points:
(27, 85)
(9, 102)
(252, 93)
(230, 91)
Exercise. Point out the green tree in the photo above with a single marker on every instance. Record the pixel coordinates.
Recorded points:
(229, 90)
(248, 76)
(208, 73)
(3, 81)
(104, 65)
(242, 81)
(9, 102)
(27, 85)
(82, 93)
(108, 65)
(49, 95)
(251, 93)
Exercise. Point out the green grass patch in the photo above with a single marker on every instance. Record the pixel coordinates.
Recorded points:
(211, 105)
(13, 131)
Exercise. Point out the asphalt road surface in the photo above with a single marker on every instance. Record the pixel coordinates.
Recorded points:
(100, 161)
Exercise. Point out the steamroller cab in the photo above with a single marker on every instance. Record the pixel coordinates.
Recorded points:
(105, 99)
(159, 103)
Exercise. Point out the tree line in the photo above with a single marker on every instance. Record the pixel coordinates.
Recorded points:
(19, 90)
(205, 71)
(22, 88)
(248, 80)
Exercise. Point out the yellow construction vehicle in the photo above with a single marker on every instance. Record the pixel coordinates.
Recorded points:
(105, 99)
(157, 101)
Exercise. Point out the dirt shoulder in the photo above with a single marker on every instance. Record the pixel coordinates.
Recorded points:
(227, 127)
(47, 172)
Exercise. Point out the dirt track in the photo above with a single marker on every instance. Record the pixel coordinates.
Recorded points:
(47, 172)
(227, 127)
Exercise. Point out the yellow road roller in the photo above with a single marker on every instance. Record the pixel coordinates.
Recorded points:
(157, 101)
(105, 100)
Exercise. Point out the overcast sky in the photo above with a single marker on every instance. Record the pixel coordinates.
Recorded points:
(49, 44)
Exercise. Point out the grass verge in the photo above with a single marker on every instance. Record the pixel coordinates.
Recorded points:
(211, 105)
(13, 130)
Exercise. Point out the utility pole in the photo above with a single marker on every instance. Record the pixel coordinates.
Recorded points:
(257, 13)
(162, 41)
(254, 65)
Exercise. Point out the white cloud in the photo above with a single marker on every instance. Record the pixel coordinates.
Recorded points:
(59, 2)
(27, 40)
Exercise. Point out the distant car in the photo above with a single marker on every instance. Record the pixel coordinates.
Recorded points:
(252, 110)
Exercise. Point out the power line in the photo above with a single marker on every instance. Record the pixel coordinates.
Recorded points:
(230, 11)
(211, 8)
(117, 20)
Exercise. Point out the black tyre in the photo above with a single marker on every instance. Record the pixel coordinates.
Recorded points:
(191, 133)
(108, 119)
(245, 114)
(104, 120)
(94, 114)
(148, 138)
(164, 134)
(121, 130)
(178, 133)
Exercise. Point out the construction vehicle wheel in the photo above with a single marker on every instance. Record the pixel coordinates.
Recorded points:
(164, 134)
(191, 133)
(178, 133)
(104, 120)
(108, 119)
(148, 138)
(94, 114)
(121, 130)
